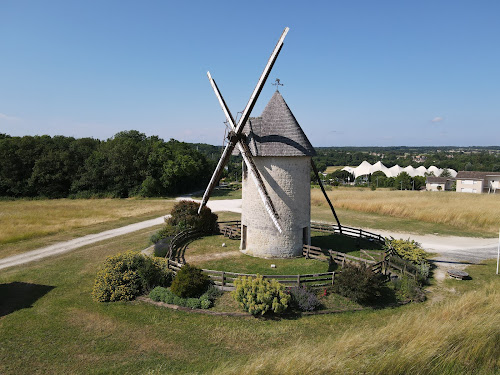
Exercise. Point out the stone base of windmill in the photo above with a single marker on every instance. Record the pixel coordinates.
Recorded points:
(273, 245)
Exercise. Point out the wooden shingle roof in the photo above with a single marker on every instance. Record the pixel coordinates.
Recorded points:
(276, 132)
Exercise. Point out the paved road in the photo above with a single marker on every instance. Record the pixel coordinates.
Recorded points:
(450, 249)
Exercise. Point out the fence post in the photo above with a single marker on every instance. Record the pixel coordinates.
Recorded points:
(223, 279)
(298, 280)
(343, 261)
(333, 277)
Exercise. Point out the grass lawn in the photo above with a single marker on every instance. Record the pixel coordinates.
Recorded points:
(221, 194)
(204, 253)
(30, 224)
(50, 325)
(342, 243)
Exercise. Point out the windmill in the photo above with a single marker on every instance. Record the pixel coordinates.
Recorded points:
(276, 189)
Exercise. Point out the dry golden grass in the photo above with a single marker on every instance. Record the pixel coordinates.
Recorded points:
(24, 219)
(460, 336)
(474, 212)
(333, 168)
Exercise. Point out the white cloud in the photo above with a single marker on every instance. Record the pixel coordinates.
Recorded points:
(5, 117)
(437, 119)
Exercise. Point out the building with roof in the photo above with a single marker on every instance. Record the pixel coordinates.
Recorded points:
(439, 183)
(478, 182)
(282, 153)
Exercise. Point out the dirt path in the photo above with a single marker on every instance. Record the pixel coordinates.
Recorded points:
(66, 246)
(451, 251)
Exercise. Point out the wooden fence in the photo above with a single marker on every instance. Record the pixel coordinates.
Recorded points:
(348, 231)
(179, 243)
(226, 279)
(232, 229)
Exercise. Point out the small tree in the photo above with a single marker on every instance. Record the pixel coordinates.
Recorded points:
(445, 173)
(403, 181)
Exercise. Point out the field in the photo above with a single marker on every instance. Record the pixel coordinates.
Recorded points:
(333, 168)
(29, 224)
(49, 324)
(412, 211)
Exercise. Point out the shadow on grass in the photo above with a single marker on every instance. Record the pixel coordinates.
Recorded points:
(18, 295)
(343, 243)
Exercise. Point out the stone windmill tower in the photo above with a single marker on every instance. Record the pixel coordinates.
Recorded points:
(282, 154)
(276, 173)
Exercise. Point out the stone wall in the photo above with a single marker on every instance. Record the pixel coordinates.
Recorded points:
(288, 182)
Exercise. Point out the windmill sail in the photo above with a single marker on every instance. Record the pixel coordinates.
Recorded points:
(235, 138)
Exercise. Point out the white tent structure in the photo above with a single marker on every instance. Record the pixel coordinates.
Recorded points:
(366, 168)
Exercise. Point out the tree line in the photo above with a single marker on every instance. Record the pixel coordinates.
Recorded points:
(127, 164)
(460, 159)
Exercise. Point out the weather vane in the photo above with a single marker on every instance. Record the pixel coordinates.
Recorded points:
(277, 84)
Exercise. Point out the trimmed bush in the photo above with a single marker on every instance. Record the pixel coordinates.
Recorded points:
(125, 276)
(258, 296)
(358, 283)
(190, 282)
(303, 298)
(185, 216)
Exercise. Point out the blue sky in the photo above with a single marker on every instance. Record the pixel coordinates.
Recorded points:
(356, 73)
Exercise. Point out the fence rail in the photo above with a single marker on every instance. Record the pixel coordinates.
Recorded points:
(349, 231)
(226, 279)
(233, 228)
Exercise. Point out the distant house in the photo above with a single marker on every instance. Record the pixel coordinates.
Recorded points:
(478, 182)
(439, 183)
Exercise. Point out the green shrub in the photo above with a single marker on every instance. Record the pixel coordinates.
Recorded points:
(408, 289)
(125, 276)
(358, 283)
(303, 298)
(185, 216)
(409, 250)
(161, 294)
(205, 303)
(212, 293)
(179, 301)
(190, 282)
(157, 294)
(257, 296)
(193, 303)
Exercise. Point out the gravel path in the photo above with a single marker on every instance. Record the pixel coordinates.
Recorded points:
(453, 251)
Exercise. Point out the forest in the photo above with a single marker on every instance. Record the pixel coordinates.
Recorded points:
(128, 164)
(133, 164)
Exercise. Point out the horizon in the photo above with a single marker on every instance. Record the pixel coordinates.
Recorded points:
(219, 145)
(354, 75)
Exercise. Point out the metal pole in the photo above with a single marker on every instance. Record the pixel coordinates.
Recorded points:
(498, 252)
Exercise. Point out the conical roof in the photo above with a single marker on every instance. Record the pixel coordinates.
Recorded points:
(276, 132)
